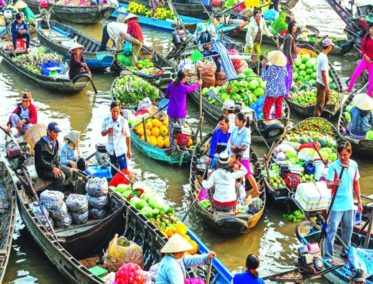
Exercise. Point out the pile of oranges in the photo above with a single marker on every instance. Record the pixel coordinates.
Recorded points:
(156, 132)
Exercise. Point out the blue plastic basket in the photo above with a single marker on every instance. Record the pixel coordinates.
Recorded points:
(51, 66)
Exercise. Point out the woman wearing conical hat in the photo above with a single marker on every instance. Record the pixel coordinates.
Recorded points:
(173, 266)
(361, 115)
(77, 63)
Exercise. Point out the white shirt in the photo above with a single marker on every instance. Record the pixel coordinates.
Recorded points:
(117, 33)
(322, 65)
(224, 183)
(252, 31)
(116, 144)
(232, 122)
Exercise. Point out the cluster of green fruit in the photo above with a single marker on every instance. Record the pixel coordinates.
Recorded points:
(315, 125)
(248, 88)
(308, 97)
(305, 69)
(277, 182)
(294, 217)
(306, 177)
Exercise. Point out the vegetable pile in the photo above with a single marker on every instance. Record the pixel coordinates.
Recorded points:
(308, 97)
(153, 208)
(131, 89)
(32, 62)
(141, 10)
(288, 153)
(294, 217)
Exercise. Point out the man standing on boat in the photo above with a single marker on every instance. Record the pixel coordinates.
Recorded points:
(119, 139)
(47, 162)
(20, 30)
(344, 187)
(24, 116)
(116, 32)
(322, 81)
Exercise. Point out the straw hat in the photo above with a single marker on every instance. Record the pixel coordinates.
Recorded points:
(223, 158)
(130, 16)
(153, 112)
(76, 46)
(176, 244)
(20, 5)
(277, 58)
(74, 137)
(363, 102)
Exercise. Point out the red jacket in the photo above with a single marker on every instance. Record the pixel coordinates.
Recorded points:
(134, 30)
(32, 111)
(367, 46)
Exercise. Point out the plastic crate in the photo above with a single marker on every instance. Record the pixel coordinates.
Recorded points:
(100, 172)
(51, 68)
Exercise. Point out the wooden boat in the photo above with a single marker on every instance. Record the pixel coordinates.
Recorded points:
(360, 145)
(226, 223)
(65, 247)
(270, 130)
(308, 111)
(163, 68)
(76, 14)
(155, 23)
(308, 232)
(60, 37)
(283, 195)
(7, 216)
(58, 84)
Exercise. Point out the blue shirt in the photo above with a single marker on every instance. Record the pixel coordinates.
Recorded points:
(218, 139)
(360, 125)
(276, 78)
(344, 200)
(16, 27)
(246, 278)
(240, 137)
(173, 271)
(67, 155)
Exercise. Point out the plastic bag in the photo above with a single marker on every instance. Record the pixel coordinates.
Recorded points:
(98, 202)
(65, 222)
(77, 203)
(80, 218)
(97, 213)
(207, 70)
(51, 199)
(97, 187)
(121, 251)
(123, 274)
(42, 214)
(59, 213)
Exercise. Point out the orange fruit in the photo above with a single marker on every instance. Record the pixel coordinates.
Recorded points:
(149, 125)
(160, 142)
(167, 142)
(148, 133)
(155, 131)
(163, 130)
(152, 140)
(156, 123)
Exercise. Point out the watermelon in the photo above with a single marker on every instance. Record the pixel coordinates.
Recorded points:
(253, 84)
(305, 58)
(302, 67)
(297, 62)
(302, 73)
(259, 92)
(369, 135)
(295, 75)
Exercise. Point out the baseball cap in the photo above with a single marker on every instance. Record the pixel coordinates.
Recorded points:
(53, 126)
(327, 42)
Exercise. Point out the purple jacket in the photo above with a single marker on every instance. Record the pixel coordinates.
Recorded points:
(177, 96)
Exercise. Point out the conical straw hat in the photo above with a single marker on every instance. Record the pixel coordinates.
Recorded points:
(176, 244)
(277, 58)
(363, 102)
(20, 5)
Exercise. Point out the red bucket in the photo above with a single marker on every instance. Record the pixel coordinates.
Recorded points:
(216, 3)
(239, 7)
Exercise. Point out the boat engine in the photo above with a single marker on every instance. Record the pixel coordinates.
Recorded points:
(309, 259)
(8, 16)
(101, 155)
(181, 135)
(16, 153)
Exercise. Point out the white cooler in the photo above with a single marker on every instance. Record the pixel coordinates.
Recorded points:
(313, 196)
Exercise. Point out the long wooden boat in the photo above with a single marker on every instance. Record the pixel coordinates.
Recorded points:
(270, 130)
(68, 246)
(308, 232)
(222, 222)
(308, 111)
(76, 14)
(164, 68)
(155, 23)
(360, 145)
(61, 85)
(282, 195)
(176, 157)
(7, 216)
(59, 38)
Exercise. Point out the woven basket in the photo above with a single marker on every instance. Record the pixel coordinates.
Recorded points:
(34, 134)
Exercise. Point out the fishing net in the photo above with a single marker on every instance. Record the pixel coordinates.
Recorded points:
(97, 213)
(98, 202)
(80, 218)
(97, 187)
(52, 199)
(77, 203)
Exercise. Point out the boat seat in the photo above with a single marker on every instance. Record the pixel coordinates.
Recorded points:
(38, 183)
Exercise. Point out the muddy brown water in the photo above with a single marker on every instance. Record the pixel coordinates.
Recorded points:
(273, 239)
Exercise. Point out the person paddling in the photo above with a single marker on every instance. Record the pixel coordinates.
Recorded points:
(77, 63)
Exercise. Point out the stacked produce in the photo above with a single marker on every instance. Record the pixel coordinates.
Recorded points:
(294, 217)
(153, 208)
(308, 97)
(146, 67)
(97, 195)
(347, 115)
(131, 89)
(299, 159)
(78, 207)
(141, 10)
(32, 62)
(53, 201)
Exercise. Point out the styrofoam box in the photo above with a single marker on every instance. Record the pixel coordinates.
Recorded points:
(313, 196)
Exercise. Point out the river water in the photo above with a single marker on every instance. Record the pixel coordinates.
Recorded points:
(273, 239)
